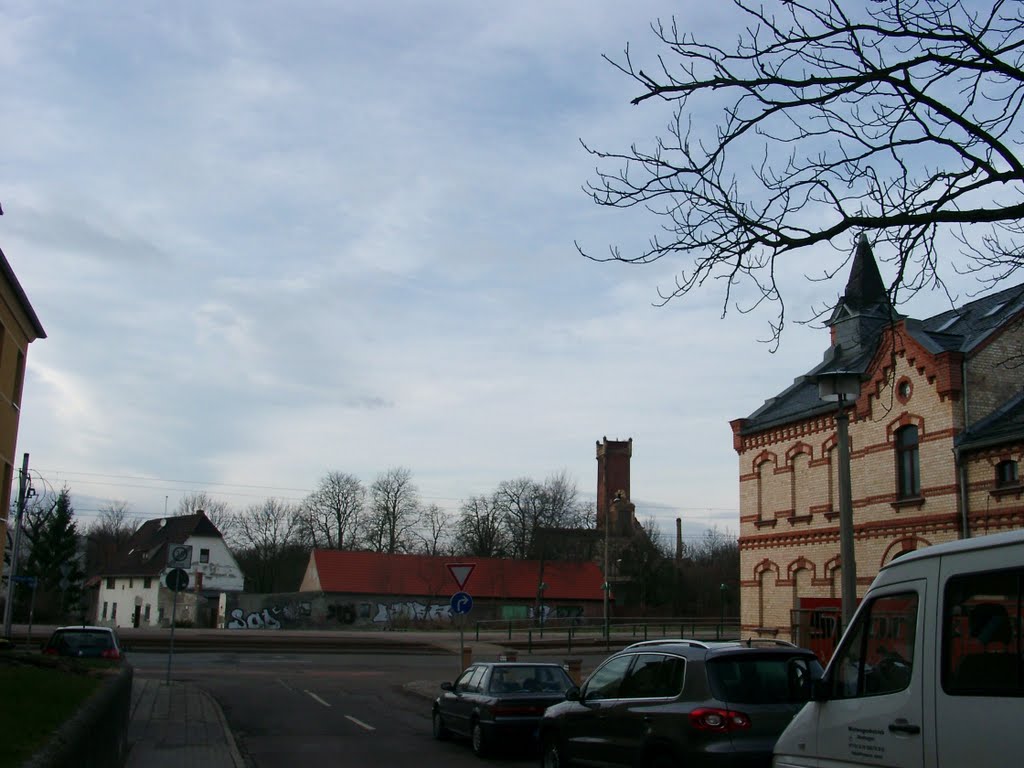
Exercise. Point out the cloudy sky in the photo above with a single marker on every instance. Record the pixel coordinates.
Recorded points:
(270, 240)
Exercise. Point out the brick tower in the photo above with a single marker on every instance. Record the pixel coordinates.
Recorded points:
(612, 474)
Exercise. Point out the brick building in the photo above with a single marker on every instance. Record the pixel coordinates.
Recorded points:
(936, 436)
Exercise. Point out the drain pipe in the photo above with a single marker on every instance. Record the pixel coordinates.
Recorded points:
(961, 467)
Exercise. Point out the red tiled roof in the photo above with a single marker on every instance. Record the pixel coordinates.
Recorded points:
(374, 573)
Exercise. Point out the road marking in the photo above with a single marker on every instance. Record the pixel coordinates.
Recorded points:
(286, 686)
(317, 698)
(360, 723)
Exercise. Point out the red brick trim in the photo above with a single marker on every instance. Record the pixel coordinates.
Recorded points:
(915, 503)
(794, 519)
(766, 523)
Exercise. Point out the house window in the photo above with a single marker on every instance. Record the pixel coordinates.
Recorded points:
(147, 583)
(204, 555)
(113, 612)
(908, 469)
(131, 583)
(1006, 474)
(110, 583)
(104, 615)
(145, 614)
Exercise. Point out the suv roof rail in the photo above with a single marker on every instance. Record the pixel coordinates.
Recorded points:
(752, 641)
(669, 641)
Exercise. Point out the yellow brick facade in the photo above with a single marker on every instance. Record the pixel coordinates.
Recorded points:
(789, 527)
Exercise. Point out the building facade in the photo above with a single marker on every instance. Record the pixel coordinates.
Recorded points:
(19, 327)
(936, 436)
(134, 592)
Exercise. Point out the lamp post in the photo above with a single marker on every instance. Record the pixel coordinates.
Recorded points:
(838, 386)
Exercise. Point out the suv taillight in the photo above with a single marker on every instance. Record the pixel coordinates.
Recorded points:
(49, 651)
(110, 653)
(719, 720)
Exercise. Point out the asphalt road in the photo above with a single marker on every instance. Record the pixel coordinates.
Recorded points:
(319, 709)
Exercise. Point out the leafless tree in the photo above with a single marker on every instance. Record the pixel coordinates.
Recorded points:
(901, 118)
(479, 529)
(527, 506)
(107, 536)
(265, 532)
(219, 512)
(331, 514)
(437, 529)
(394, 512)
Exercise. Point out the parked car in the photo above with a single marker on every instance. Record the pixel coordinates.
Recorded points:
(498, 702)
(85, 642)
(930, 671)
(681, 702)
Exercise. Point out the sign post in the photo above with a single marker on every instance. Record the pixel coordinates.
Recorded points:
(177, 579)
(461, 602)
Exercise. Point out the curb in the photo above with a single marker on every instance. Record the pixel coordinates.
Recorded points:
(229, 736)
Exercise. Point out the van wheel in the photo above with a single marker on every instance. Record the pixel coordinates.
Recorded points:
(661, 760)
(440, 732)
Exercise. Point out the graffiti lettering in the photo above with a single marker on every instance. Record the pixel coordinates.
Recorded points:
(268, 618)
(412, 610)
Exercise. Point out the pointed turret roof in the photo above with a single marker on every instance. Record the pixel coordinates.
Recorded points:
(865, 289)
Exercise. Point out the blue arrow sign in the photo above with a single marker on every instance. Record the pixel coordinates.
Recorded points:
(30, 580)
(462, 603)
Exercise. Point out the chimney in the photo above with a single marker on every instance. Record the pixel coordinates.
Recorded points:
(679, 539)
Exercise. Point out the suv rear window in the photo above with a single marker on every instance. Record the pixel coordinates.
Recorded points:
(762, 680)
(79, 640)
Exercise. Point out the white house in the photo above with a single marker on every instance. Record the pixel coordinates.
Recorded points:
(134, 592)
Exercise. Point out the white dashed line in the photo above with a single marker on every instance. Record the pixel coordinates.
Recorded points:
(286, 686)
(317, 698)
(360, 723)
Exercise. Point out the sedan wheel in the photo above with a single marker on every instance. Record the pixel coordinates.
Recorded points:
(479, 740)
(440, 732)
(551, 757)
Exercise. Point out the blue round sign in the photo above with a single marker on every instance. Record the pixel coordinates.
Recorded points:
(462, 603)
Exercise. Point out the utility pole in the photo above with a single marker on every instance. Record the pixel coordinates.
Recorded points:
(13, 570)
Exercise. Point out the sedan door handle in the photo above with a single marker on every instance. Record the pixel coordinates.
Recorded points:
(902, 726)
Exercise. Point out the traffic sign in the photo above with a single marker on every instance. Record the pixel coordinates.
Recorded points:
(177, 579)
(461, 603)
(460, 572)
(30, 580)
(179, 556)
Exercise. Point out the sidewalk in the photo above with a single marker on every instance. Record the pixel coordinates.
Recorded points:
(178, 726)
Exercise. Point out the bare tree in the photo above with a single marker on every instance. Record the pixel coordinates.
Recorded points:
(265, 532)
(331, 513)
(217, 511)
(479, 530)
(897, 117)
(436, 538)
(394, 512)
(107, 536)
(527, 506)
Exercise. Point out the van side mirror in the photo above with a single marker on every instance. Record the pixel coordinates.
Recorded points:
(447, 686)
(572, 694)
(821, 689)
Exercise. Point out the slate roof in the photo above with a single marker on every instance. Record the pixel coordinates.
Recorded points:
(1005, 425)
(374, 573)
(145, 554)
(957, 330)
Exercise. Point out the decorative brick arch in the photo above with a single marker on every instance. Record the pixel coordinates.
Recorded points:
(831, 566)
(762, 458)
(764, 566)
(905, 420)
(800, 448)
(801, 564)
(901, 545)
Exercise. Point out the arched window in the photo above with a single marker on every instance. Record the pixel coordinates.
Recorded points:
(908, 465)
(1006, 474)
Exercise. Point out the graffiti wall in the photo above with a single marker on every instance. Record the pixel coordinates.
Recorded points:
(316, 610)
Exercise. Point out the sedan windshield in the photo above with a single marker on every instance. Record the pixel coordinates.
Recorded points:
(529, 679)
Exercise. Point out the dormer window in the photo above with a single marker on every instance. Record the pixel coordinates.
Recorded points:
(1007, 474)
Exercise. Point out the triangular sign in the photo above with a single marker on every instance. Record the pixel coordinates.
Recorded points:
(460, 572)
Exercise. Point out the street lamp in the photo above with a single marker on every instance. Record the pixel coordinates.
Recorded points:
(840, 386)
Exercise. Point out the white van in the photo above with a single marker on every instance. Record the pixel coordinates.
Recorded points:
(930, 671)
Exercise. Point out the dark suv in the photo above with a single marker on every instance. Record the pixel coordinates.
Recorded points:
(681, 702)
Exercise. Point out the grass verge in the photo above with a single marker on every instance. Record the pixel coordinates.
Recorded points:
(35, 701)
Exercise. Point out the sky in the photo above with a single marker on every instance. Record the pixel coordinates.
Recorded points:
(273, 240)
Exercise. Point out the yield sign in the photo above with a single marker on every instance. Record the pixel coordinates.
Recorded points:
(460, 572)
